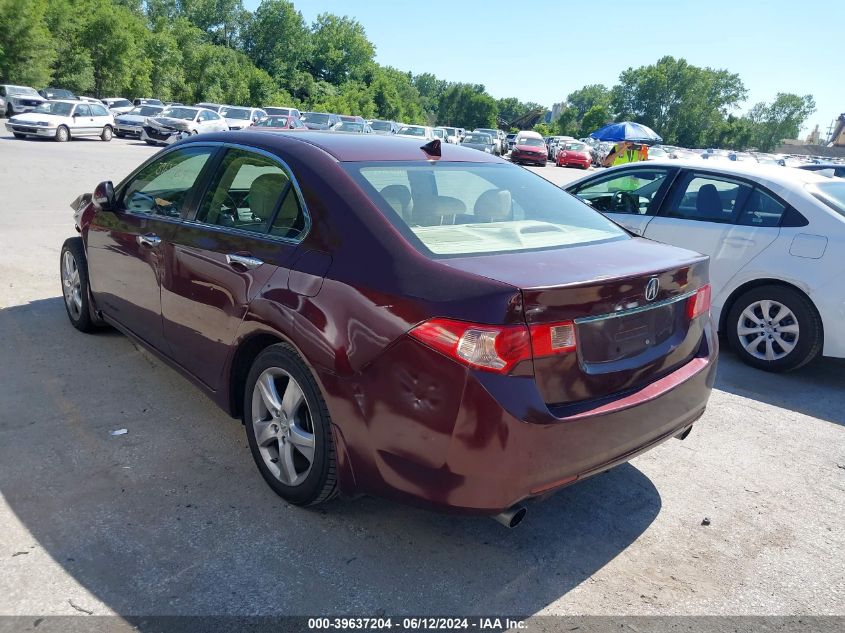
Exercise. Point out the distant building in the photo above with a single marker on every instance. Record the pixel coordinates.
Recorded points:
(813, 139)
(838, 137)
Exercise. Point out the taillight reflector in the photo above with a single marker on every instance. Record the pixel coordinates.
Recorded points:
(699, 303)
(548, 339)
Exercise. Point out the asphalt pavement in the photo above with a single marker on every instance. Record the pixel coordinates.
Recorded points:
(172, 517)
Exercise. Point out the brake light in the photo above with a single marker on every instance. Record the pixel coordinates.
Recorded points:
(493, 347)
(552, 338)
(489, 347)
(699, 303)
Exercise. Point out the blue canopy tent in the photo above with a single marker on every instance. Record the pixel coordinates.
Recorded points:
(627, 131)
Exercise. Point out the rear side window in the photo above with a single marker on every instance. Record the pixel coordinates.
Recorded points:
(252, 192)
(98, 110)
(707, 198)
(448, 209)
(761, 209)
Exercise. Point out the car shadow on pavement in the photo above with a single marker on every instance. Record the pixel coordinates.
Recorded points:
(172, 518)
(817, 389)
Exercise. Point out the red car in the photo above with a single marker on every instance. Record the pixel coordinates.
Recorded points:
(430, 324)
(574, 153)
(529, 150)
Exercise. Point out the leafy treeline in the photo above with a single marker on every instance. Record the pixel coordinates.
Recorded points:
(687, 105)
(215, 50)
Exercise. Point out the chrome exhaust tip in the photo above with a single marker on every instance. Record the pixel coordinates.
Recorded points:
(511, 517)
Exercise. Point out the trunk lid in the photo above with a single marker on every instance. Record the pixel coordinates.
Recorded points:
(624, 339)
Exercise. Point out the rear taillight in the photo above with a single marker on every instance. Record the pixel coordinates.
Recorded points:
(492, 347)
(699, 303)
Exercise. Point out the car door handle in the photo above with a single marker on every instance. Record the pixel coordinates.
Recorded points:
(149, 240)
(245, 261)
(739, 241)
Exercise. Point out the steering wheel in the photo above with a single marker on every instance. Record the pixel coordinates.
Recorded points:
(624, 201)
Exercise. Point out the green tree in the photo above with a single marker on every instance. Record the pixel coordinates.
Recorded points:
(341, 50)
(218, 18)
(680, 101)
(72, 68)
(566, 123)
(27, 51)
(594, 118)
(278, 41)
(782, 119)
(467, 105)
(115, 38)
(167, 74)
(588, 97)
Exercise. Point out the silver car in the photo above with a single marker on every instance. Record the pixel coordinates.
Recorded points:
(130, 124)
(63, 120)
(179, 122)
(19, 99)
(118, 105)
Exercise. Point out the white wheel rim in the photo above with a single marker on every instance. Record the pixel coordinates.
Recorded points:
(768, 330)
(283, 427)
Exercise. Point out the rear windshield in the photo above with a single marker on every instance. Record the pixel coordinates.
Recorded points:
(381, 126)
(121, 103)
(146, 110)
(832, 194)
(412, 131)
(459, 208)
(237, 113)
(273, 121)
(319, 119)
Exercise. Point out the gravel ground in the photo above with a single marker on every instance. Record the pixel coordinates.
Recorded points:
(173, 518)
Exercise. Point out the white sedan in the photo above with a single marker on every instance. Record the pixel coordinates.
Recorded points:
(177, 122)
(63, 120)
(775, 236)
(238, 118)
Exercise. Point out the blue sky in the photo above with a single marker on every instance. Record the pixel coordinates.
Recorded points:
(775, 46)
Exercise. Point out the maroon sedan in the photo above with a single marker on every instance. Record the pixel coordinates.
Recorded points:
(574, 153)
(449, 330)
(529, 150)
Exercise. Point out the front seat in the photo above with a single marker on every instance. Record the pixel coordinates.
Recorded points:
(437, 211)
(264, 194)
(399, 198)
(708, 203)
(494, 205)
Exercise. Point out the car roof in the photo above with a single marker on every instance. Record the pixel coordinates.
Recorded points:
(784, 176)
(353, 147)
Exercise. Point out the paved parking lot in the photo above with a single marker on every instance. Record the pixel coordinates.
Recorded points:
(173, 517)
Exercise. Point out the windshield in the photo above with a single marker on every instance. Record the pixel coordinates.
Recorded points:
(459, 208)
(832, 194)
(186, 114)
(575, 147)
(237, 113)
(19, 90)
(146, 111)
(478, 138)
(119, 103)
(54, 107)
(313, 117)
(410, 130)
(532, 142)
(381, 126)
(350, 126)
(273, 121)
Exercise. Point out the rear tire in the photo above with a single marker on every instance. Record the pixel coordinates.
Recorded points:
(774, 328)
(62, 134)
(283, 414)
(73, 270)
(106, 134)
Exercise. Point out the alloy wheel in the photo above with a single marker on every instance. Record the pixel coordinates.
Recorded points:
(72, 285)
(768, 330)
(284, 429)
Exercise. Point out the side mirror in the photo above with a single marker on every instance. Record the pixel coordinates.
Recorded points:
(103, 197)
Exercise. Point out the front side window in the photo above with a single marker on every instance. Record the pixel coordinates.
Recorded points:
(632, 192)
(83, 109)
(478, 208)
(252, 192)
(707, 198)
(164, 186)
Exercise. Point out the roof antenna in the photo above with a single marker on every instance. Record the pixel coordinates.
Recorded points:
(432, 148)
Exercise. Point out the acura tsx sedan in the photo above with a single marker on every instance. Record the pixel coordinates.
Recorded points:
(426, 323)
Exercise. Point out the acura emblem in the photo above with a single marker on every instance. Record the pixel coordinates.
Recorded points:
(651, 289)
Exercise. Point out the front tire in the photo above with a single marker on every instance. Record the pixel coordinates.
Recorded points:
(62, 134)
(289, 429)
(774, 328)
(19, 135)
(73, 268)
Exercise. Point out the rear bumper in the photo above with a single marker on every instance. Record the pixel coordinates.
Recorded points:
(475, 442)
